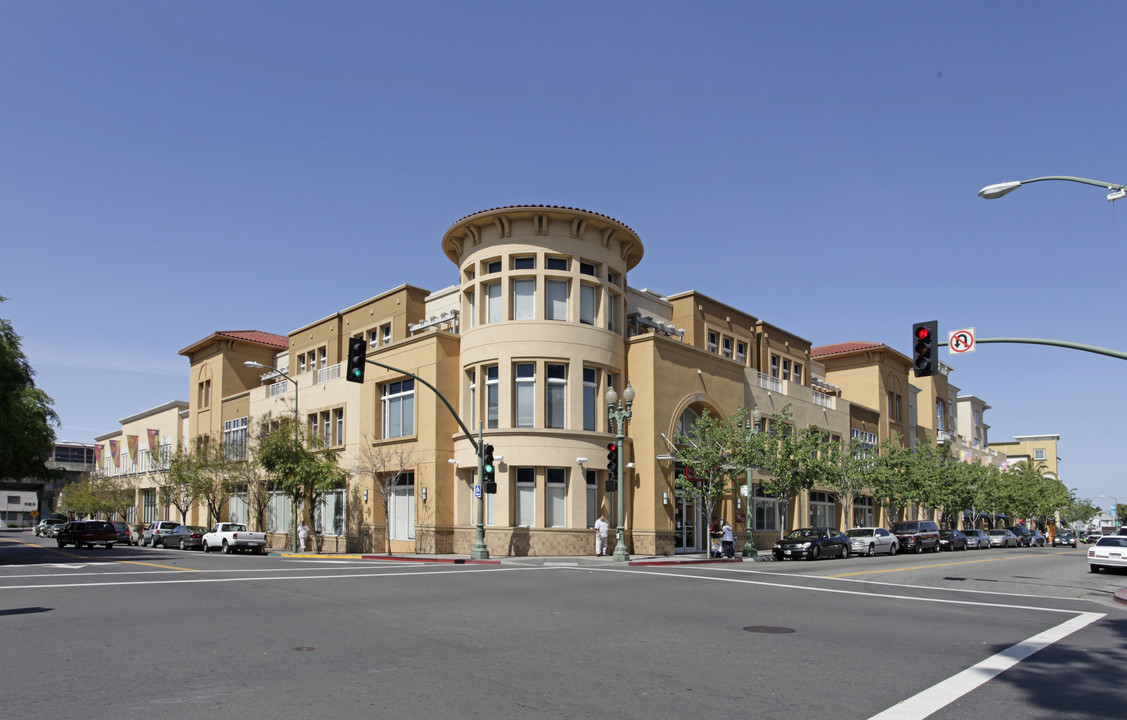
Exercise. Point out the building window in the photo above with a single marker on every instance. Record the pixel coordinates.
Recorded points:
(525, 497)
(586, 268)
(741, 352)
(556, 300)
(338, 426)
(373, 339)
(555, 395)
(490, 500)
(472, 378)
(1039, 454)
(786, 369)
(493, 267)
(398, 406)
(301, 363)
(525, 395)
(471, 301)
(524, 299)
(386, 333)
(766, 511)
(493, 302)
(587, 308)
(491, 396)
(612, 278)
(149, 505)
(797, 375)
(864, 512)
(713, 340)
(524, 263)
(774, 366)
(592, 497)
(821, 510)
(235, 438)
(893, 407)
(590, 398)
(555, 263)
(204, 398)
(612, 303)
(329, 518)
(555, 497)
(727, 347)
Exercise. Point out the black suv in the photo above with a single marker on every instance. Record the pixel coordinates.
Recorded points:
(1024, 537)
(87, 532)
(917, 535)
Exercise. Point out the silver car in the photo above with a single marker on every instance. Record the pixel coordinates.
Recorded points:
(977, 539)
(1002, 538)
(871, 540)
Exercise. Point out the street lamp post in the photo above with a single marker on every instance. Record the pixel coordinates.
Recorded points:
(992, 192)
(296, 417)
(618, 417)
(749, 501)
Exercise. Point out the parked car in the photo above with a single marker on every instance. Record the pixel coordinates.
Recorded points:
(136, 532)
(1109, 551)
(232, 537)
(977, 539)
(52, 529)
(1037, 539)
(1063, 538)
(812, 543)
(1024, 537)
(184, 537)
(871, 540)
(1093, 538)
(152, 534)
(952, 540)
(917, 535)
(1002, 537)
(1122, 530)
(46, 524)
(87, 532)
(123, 535)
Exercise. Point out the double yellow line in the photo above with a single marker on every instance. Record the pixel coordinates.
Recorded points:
(60, 551)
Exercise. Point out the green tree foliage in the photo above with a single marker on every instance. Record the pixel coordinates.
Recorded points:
(27, 418)
(715, 450)
(301, 467)
(791, 456)
(178, 484)
(844, 469)
(1079, 510)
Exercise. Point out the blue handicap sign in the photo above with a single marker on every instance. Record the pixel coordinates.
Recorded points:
(477, 491)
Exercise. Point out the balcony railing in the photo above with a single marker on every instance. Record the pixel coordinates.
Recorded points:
(821, 398)
(279, 388)
(770, 383)
(332, 372)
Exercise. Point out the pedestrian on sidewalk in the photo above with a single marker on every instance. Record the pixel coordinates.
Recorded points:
(302, 536)
(727, 540)
(601, 531)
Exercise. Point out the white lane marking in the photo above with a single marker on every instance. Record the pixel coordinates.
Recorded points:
(944, 693)
(356, 566)
(899, 585)
(840, 591)
(434, 572)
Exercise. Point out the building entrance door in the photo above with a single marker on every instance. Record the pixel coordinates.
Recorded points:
(687, 536)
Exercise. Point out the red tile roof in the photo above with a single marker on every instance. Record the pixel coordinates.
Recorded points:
(845, 347)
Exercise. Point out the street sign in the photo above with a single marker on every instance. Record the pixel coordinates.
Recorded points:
(960, 341)
(477, 491)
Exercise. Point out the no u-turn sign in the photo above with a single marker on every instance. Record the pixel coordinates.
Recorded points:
(960, 341)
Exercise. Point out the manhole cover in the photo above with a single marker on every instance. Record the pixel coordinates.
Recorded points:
(768, 630)
(304, 649)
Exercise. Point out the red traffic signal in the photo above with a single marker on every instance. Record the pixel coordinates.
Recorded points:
(925, 348)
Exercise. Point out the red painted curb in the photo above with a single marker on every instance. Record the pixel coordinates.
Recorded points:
(449, 561)
(652, 563)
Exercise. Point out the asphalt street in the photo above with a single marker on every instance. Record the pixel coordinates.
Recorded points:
(174, 634)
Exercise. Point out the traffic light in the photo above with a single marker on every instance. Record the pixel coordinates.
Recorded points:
(925, 347)
(489, 471)
(357, 352)
(612, 467)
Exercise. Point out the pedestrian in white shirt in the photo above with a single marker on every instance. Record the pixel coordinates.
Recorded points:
(601, 532)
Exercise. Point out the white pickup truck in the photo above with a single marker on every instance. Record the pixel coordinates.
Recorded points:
(231, 537)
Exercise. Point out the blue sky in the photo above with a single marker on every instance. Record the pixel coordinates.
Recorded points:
(169, 169)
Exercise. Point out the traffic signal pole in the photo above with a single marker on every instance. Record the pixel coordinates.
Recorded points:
(1056, 343)
(480, 551)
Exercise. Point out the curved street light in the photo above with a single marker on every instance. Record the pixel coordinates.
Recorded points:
(991, 192)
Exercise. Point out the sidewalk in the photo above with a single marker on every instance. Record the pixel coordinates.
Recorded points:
(558, 561)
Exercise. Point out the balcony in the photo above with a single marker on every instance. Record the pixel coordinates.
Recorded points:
(278, 388)
(767, 382)
(820, 398)
(324, 375)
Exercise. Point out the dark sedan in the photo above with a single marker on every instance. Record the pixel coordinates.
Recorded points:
(184, 537)
(952, 540)
(813, 543)
(1064, 538)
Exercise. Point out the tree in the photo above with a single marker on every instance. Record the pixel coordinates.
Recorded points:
(888, 476)
(791, 457)
(1080, 511)
(302, 469)
(247, 476)
(385, 465)
(26, 413)
(843, 469)
(177, 485)
(211, 476)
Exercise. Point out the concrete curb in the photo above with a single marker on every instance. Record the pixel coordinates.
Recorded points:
(1121, 596)
(418, 558)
